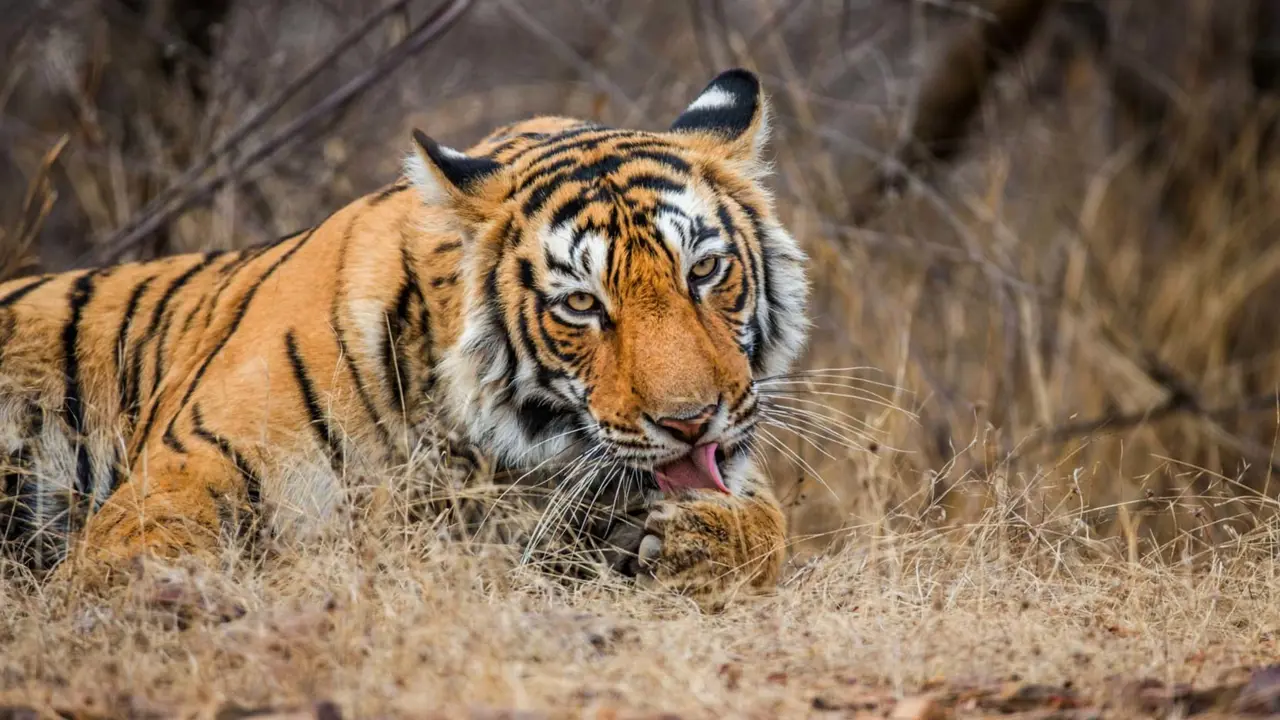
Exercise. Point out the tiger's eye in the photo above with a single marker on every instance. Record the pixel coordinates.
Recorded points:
(704, 267)
(581, 302)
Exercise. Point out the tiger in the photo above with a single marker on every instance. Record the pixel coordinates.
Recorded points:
(559, 289)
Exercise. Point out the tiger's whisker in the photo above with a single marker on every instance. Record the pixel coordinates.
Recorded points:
(787, 398)
(833, 374)
(810, 385)
(798, 425)
(514, 485)
(833, 427)
(849, 396)
(540, 443)
(803, 436)
(552, 502)
(854, 425)
(612, 470)
(834, 380)
(781, 447)
(562, 497)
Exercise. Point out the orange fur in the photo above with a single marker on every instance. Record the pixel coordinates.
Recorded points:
(158, 404)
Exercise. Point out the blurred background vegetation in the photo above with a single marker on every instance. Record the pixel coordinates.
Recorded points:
(1046, 225)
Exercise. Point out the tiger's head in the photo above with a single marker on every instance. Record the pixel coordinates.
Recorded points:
(624, 289)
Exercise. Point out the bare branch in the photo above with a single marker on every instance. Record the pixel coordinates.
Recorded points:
(187, 190)
(951, 94)
(1176, 404)
(570, 56)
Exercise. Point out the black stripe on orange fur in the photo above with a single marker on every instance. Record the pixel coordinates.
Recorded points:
(253, 483)
(72, 401)
(229, 274)
(132, 402)
(162, 335)
(122, 335)
(205, 298)
(396, 374)
(387, 192)
(317, 416)
(348, 358)
(24, 290)
(241, 309)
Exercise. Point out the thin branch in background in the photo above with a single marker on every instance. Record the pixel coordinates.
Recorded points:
(247, 127)
(710, 51)
(566, 53)
(16, 245)
(170, 41)
(1176, 404)
(775, 21)
(189, 189)
(15, 29)
(950, 95)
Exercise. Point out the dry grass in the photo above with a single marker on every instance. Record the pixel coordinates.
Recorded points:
(407, 627)
(1067, 468)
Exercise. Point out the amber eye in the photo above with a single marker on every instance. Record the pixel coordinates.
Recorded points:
(581, 302)
(704, 267)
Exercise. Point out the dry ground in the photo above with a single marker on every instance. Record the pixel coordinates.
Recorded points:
(980, 619)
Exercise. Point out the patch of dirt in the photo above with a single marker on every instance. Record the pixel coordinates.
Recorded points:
(1256, 694)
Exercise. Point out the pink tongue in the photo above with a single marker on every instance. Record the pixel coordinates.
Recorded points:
(695, 471)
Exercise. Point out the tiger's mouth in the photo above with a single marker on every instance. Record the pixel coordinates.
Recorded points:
(697, 470)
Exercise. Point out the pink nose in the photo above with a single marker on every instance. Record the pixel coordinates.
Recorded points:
(689, 429)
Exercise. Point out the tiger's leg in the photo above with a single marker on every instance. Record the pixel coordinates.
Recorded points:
(176, 504)
(714, 547)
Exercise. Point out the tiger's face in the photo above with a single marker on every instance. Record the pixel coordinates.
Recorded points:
(625, 289)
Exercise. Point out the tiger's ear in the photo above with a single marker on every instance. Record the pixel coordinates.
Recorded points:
(443, 175)
(732, 113)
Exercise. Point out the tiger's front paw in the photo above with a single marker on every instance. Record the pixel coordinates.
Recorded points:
(712, 548)
(120, 540)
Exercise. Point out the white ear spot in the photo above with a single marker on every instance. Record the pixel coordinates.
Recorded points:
(713, 99)
(451, 153)
(425, 180)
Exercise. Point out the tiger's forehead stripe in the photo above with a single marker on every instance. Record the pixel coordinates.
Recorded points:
(599, 183)
(657, 169)
(631, 193)
(625, 187)
(529, 151)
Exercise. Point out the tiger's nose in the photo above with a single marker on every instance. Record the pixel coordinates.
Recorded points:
(690, 427)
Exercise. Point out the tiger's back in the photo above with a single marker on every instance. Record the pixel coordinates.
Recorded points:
(107, 370)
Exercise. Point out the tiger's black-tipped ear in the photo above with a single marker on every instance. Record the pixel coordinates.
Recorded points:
(441, 173)
(731, 111)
